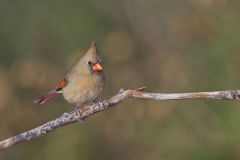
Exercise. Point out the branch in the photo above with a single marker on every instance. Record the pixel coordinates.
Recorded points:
(81, 113)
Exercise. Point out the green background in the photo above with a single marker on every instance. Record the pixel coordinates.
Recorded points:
(167, 46)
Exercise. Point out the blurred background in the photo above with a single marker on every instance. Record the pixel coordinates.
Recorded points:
(167, 46)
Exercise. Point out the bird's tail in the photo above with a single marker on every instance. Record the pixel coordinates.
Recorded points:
(43, 99)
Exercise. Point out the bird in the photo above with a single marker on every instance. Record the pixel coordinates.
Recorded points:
(82, 84)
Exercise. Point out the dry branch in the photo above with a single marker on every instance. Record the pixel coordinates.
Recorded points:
(81, 113)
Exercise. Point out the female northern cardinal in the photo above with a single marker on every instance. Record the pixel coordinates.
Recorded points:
(83, 83)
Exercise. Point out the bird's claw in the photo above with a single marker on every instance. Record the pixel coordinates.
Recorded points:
(79, 112)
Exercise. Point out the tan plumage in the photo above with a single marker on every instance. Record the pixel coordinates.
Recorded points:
(84, 81)
(83, 84)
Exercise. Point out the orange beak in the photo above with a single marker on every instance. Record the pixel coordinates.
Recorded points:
(97, 67)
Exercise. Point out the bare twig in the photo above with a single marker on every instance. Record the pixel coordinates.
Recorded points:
(88, 110)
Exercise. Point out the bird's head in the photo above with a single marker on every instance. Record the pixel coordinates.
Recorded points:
(91, 59)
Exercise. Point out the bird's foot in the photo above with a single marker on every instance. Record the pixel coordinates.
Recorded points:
(79, 113)
(94, 102)
(97, 101)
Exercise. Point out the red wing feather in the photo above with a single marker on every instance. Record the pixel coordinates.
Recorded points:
(61, 85)
(51, 94)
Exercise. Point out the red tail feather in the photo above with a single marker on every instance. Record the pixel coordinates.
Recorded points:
(44, 99)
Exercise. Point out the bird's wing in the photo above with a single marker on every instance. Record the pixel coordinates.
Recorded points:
(61, 85)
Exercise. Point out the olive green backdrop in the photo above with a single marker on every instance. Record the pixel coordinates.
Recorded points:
(167, 46)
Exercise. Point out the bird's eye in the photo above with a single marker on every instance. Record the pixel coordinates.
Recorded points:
(90, 63)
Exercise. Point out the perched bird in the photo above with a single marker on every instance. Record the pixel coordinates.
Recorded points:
(83, 83)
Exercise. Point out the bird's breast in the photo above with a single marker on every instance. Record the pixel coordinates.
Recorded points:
(83, 89)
